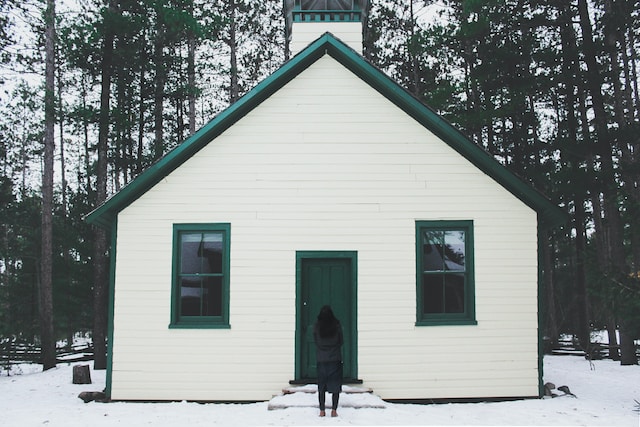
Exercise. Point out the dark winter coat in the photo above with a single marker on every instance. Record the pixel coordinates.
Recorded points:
(328, 349)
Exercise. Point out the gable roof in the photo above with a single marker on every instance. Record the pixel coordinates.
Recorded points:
(548, 213)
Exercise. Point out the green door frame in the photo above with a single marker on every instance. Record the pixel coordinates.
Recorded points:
(352, 321)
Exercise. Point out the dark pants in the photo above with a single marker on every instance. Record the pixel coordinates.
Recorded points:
(329, 380)
(334, 400)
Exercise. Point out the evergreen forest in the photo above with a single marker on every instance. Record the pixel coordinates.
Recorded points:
(92, 92)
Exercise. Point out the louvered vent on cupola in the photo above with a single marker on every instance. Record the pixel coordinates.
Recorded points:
(307, 20)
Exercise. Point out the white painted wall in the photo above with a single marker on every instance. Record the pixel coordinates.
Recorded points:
(326, 163)
(304, 33)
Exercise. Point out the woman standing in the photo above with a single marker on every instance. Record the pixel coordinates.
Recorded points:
(327, 333)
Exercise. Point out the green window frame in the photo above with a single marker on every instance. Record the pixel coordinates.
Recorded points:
(200, 276)
(445, 293)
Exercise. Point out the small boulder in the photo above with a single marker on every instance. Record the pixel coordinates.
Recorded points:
(548, 389)
(90, 396)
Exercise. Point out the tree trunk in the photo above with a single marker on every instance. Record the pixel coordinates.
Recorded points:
(415, 63)
(63, 177)
(580, 279)
(179, 100)
(604, 144)
(47, 338)
(614, 265)
(85, 134)
(160, 80)
(100, 299)
(614, 351)
(100, 260)
(234, 88)
(191, 75)
(118, 125)
(571, 72)
(141, 130)
(631, 144)
(551, 329)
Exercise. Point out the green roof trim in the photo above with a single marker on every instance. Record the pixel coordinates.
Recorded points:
(548, 213)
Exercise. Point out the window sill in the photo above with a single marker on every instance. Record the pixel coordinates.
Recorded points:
(199, 326)
(447, 322)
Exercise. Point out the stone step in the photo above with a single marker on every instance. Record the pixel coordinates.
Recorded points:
(307, 397)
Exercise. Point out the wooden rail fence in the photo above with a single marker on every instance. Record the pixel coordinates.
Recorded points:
(571, 348)
(13, 352)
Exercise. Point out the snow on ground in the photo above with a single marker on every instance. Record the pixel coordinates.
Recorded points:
(606, 395)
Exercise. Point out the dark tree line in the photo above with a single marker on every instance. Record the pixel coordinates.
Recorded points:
(120, 83)
(548, 87)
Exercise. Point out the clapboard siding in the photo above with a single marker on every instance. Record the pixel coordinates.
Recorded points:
(304, 33)
(326, 163)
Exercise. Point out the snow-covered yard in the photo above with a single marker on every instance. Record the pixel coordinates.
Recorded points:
(606, 395)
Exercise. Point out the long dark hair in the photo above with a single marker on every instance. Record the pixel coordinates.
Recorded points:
(328, 325)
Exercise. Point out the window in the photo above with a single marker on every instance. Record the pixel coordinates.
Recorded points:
(200, 286)
(445, 286)
(326, 4)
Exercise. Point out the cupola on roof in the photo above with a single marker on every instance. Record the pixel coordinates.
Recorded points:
(306, 20)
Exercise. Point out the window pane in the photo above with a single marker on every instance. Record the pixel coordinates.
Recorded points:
(201, 296)
(454, 293)
(312, 4)
(432, 257)
(190, 296)
(211, 253)
(454, 250)
(212, 296)
(340, 4)
(326, 4)
(432, 293)
(201, 253)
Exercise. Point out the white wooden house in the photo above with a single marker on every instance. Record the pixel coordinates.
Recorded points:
(326, 183)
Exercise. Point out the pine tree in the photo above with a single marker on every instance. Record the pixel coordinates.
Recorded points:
(47, 338)
(100, 260)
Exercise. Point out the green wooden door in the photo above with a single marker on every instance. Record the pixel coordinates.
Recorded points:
(325, 279)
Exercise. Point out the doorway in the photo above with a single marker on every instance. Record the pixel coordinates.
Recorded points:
(325, 278)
